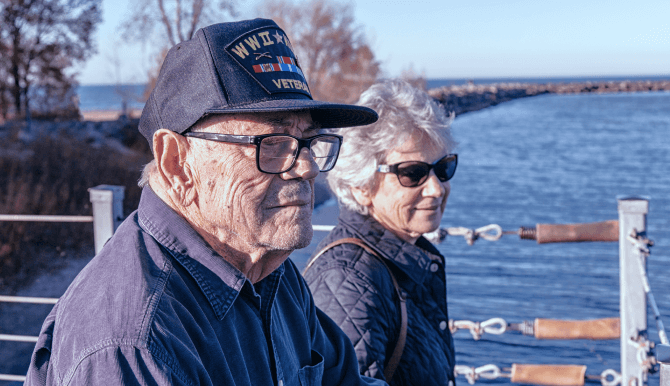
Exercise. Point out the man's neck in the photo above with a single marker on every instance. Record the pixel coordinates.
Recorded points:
(254, 261)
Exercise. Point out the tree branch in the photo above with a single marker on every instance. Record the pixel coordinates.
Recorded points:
(180, 34)
(198, 5)
(166, 23)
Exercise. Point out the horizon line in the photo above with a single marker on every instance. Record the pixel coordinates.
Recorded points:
(474, 78)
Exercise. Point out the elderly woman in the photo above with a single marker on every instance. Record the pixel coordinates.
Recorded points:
(375, 274)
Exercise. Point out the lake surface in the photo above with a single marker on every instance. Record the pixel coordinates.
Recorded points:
(550, 159)
(110, 97)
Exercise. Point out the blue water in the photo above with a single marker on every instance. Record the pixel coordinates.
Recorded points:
(110, 97)
(551, 159)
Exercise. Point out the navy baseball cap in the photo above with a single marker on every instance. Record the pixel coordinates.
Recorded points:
(240, 67)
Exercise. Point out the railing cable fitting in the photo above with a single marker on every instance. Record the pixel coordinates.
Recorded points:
(473, 374)
(494, 326)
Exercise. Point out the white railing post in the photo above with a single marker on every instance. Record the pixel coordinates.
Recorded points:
(107, 203)
(633, 300)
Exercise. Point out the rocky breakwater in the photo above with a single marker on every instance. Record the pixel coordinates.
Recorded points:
(472, 97)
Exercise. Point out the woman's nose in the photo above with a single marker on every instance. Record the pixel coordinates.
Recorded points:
(433, 187)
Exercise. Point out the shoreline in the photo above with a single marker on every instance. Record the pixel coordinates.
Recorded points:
(108, 115)
(472, 97)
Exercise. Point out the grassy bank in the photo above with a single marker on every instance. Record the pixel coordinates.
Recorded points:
(47, 171)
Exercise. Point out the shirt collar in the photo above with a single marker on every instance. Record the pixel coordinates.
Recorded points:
(413, 259)
(219, 281)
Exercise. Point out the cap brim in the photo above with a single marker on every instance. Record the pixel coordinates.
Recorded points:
(327, 115)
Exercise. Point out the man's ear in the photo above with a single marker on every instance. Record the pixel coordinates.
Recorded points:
(362, 196)
(170, 151)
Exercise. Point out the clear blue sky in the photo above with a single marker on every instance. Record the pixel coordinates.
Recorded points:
(466, 38)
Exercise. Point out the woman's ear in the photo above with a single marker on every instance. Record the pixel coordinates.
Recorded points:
(362, 196)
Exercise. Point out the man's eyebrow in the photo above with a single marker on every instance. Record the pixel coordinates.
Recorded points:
(314, 127)
(283, 123)
(278, 122)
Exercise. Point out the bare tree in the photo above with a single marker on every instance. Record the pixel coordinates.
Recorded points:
(332, 51)
(41, 41)
(165, 23)
(5, 79)
(173, 21)
(152, 75)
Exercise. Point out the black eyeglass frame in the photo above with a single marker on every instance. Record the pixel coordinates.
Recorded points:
(394, 169)
(257, 139)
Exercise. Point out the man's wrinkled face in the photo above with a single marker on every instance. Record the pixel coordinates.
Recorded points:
(243, 207)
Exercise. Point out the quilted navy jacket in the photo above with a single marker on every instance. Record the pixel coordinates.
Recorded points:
(356, 291)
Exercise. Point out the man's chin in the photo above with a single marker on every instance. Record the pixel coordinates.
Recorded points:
(301, 238)
(291, 228)
(291, 238)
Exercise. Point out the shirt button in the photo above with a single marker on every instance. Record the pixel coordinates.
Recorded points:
(443, 325)
(434, 267)
(280, 383)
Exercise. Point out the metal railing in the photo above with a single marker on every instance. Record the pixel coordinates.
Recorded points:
(107, 203)
(634, 294)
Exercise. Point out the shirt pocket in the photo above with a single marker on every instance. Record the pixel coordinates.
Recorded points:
(313, 374)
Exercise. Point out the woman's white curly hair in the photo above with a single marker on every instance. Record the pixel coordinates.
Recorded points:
(405, 113)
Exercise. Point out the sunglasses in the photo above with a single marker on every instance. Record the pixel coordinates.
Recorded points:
(414, 173)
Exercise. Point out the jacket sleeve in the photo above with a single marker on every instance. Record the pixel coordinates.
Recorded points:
(360, 300)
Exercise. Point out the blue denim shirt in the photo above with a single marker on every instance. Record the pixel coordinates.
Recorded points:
(158, 306)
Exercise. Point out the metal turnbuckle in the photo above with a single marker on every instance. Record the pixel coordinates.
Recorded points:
(472, 374)
(494, 326)
(644, 347)
(610, 377)
(491, 232)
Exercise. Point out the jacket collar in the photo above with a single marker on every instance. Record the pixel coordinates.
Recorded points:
(219, 281)
(413, 259)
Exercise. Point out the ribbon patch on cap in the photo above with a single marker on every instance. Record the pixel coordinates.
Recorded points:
(266, 54)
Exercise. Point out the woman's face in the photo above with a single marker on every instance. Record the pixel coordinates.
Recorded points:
(409, 212)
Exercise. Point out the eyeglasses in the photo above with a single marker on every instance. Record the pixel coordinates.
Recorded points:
(414, 173)
(276, 153)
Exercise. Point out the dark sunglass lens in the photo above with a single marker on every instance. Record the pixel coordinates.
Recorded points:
(412, 174)
(446, 168)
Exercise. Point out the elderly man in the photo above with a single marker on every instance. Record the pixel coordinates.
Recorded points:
(195, 287)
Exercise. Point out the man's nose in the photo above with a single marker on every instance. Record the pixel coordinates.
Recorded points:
(305, 166)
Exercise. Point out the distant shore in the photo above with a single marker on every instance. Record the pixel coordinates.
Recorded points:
(463, 98)
(472, 97)
(108, 115)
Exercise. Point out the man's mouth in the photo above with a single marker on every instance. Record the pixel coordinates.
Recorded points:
(292, 203)
(297, 203)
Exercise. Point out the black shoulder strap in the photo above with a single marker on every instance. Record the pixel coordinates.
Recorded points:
(392, 364)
